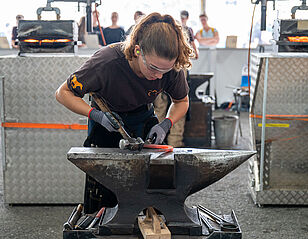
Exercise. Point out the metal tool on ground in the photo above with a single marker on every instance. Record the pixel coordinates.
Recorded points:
(223, 223)
(96, 219)
(127, 142)
(207, 223)
(72, 220)
(85, 222)
(152, 226)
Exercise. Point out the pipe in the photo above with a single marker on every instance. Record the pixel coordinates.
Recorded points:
(89, 16)
(263, 15)
(302, 7)
(203, 3)
(263, 124)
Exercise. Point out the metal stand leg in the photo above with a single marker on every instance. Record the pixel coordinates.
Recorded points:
(238, 102)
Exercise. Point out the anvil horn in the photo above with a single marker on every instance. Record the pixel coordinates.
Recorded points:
(204, 168)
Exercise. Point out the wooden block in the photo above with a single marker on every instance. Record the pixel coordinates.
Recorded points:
(231, 42)
(152, 226)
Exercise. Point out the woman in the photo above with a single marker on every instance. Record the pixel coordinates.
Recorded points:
(82, 31)
(128, 76)
(114, 33)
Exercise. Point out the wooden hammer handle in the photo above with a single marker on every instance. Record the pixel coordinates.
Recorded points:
(103, 107)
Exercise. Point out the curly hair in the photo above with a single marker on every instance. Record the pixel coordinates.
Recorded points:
(161, 35)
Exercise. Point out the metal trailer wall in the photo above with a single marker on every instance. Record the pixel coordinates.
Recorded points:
(226, 64)
(35, 167)
(281, 175)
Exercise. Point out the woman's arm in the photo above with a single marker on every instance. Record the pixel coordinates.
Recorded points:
(178, 109)
(209, 41)
(72, 102)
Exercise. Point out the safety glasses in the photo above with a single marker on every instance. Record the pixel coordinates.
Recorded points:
(153, 68)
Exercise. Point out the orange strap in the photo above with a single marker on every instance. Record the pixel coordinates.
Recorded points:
(282, 117)
(44, 126)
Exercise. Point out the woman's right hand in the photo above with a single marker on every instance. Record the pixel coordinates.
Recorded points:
(106, 119)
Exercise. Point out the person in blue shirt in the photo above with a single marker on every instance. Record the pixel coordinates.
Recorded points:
(207, 36)
(114, 33)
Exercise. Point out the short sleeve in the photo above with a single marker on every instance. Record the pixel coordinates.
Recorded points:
(191, 34)
(84, 80)
(177, 86)
(14, 33)
(123, 36)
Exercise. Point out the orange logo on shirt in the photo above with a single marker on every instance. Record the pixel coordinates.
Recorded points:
(154, 92)
(75, 83)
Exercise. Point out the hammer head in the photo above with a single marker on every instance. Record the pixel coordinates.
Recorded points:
(131, 144)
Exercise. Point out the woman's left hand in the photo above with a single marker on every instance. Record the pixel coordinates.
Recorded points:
(159, 131)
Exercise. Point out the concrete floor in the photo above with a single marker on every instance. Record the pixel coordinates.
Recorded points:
(231, 192)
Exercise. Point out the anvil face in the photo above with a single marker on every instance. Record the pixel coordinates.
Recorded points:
(164, 183)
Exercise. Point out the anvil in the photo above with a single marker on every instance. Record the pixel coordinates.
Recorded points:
(163, 183)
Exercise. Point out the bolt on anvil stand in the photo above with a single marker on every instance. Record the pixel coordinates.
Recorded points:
(163, 183)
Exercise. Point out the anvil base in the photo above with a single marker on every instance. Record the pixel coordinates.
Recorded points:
(176, 228)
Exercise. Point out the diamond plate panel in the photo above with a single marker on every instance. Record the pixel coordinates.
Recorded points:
(286, 164)
(283, 197)
(287, 78)
(30, 84)
(36, 169)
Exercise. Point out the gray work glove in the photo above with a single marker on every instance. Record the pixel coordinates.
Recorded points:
(106, 120)
(159, 131)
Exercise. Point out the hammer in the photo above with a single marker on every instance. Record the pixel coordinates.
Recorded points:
(127, 142)
(70, 224)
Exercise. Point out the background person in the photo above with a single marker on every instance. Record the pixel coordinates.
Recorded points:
(189, 31)
(128, 77)
(96, 30)
(82, 31)
(114, 33)
(137, 15)
(207, 36)
(15, 31)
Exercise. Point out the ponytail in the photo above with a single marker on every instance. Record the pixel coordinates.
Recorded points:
(161, 35)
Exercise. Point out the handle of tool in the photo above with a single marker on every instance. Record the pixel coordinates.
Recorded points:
(214, 216)
(206, 222)
(98, 215)
(155, 220)
(75, 218)
(67, 225)
(103, 107)
(84, 223)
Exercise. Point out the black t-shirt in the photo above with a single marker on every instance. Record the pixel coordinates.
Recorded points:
(14, 33)
(98, 32)
(113, 35)
(108, 74)
(190, 33)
